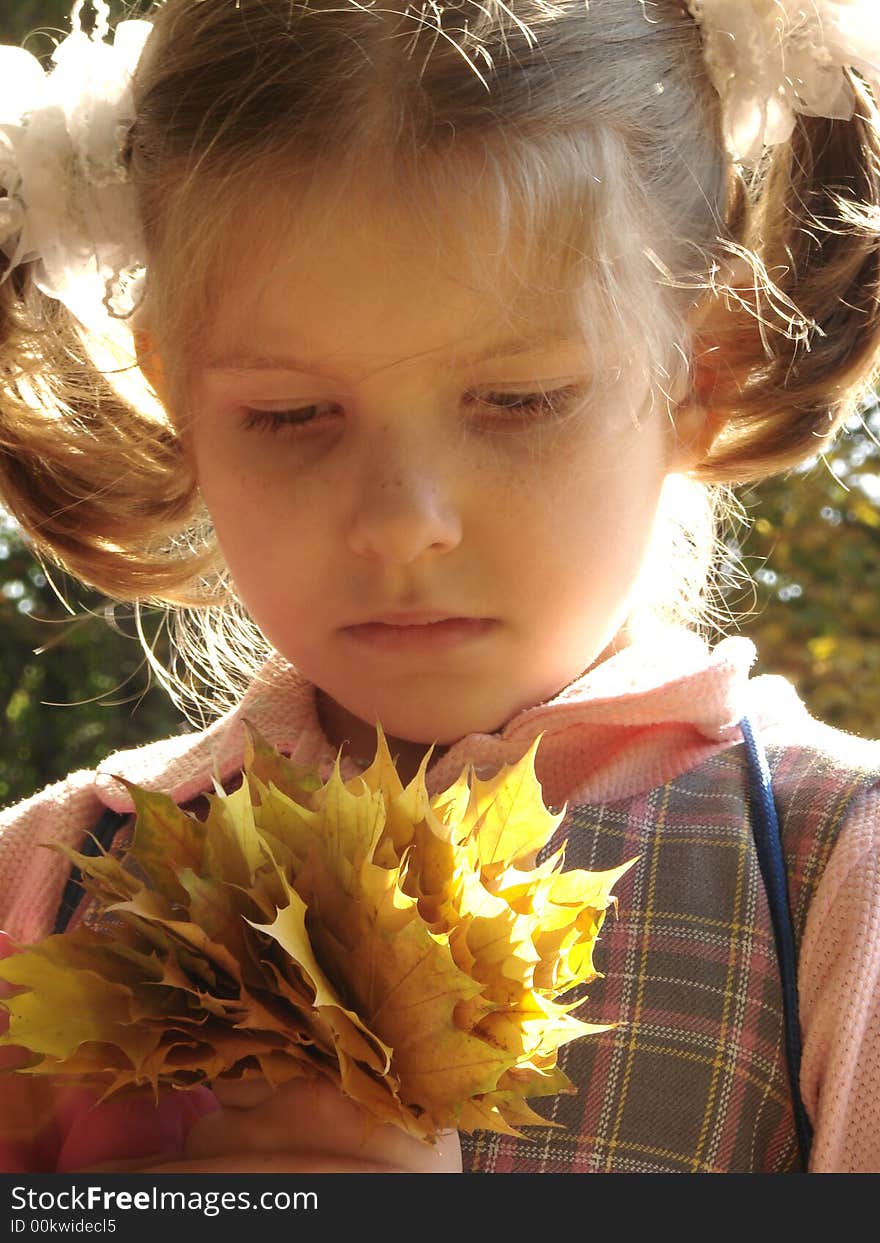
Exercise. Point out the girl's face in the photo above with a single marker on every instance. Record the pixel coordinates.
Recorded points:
(436, 531)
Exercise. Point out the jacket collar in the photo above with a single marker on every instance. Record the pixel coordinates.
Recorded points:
(637, 719)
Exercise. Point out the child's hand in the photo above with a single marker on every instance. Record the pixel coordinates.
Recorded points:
(27, 1131)
(305, 1126)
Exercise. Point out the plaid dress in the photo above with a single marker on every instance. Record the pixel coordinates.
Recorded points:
(693, 1078)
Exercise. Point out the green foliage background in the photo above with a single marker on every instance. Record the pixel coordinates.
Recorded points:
(813, 550)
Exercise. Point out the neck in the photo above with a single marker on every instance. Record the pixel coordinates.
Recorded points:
(357, 740)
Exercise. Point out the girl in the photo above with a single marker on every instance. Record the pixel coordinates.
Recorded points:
(456, 319)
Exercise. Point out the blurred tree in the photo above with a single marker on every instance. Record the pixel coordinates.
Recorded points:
(26, 16)
(72, 689)
(27, 20)
(814, 551)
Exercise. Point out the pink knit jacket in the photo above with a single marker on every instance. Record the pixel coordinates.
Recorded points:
(637, 720)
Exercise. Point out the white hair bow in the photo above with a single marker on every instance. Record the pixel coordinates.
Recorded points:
(772, 59)
(69, 206)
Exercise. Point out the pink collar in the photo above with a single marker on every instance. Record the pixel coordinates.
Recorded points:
(632, 722)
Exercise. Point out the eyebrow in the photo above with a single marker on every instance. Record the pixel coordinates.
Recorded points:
(244, 362)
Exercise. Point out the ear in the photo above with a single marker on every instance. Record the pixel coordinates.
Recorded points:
(696, 429)
(697, 423)
(150, 362)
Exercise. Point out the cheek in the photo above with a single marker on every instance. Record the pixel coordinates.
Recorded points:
(259, 515)
(600, 491)
(588, 529)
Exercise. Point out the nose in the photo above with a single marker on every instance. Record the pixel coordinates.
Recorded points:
(405, 506)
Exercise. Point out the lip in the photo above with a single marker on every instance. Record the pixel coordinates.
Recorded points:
(411, 617)
(421, 630)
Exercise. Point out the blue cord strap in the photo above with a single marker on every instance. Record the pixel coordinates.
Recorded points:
(765, 827)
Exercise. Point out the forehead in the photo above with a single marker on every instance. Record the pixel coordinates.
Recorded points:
(364, 277)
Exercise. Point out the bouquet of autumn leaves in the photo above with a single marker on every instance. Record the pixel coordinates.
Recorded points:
(405, 947)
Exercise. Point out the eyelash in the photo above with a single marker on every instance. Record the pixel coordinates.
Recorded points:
(524, 405)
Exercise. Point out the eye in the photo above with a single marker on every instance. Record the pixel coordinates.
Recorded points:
(274, 421)
(500, 407)
(529, 405)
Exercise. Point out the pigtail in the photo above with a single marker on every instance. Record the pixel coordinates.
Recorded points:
(799, 346)
(98, 488)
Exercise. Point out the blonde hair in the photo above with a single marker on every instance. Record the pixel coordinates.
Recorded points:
(592, 133)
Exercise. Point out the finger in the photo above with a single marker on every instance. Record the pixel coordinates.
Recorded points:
(314, 1117)
(242, 1093)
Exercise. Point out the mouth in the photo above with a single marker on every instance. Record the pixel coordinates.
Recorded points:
(420, 630)
(413, 617)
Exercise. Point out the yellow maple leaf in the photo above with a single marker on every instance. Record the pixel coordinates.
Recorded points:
(407, 947)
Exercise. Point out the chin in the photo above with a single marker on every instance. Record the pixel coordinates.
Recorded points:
(431, 724)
